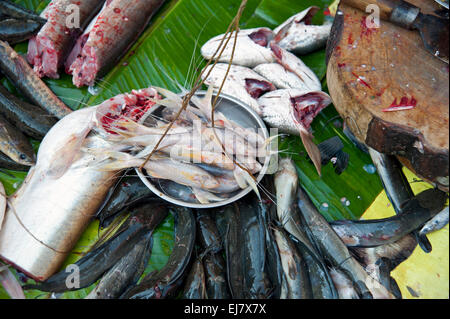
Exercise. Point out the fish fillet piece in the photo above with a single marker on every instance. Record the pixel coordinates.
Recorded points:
(49, 48)
(106, 40)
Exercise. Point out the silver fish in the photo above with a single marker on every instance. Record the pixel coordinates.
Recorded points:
(242, 83)
(437, 222)
(251, 47)
(298, 35)
(280, 77)
(343, 285)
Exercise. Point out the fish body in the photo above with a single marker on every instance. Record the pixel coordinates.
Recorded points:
(215, 276)
(163, 283)
(126, 272)
(29, 83)
(103, 48)
(14, 31)
(251, 47)
(14, 144)
(280, 77)
(298, 35)
(49, 48)
(195, 286)
(343, 284)
(10, 9)
(242, 83)
(208, 233)
(30, 119)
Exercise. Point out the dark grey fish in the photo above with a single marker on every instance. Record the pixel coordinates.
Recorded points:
(15, 31)
(216, 276)
(17, 69)
(375, 232)
(93, 265)
(30, 119)
(125, 273)
(9, 8)
(208, 233)
(437, 222)
(165, 282)
(6, 162)
(15, 145)
(195, 286)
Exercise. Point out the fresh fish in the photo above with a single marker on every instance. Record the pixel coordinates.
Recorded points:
(376, 232)
(293, 64)
(397, 187)
(256, 283)
(49, 48)
(102, 46)
(294, 267)
(6, 162)
(176, 190)
(30, 119)
(292, 111)
(14, 30)
(242, 83)
(128, 191)
(215, 274)
(280, 77)
(161, 284)
(335, 250)
(298, 35)
(94, 264)
(63, 187)
(15, 145)
(195, 286)
(10, 283)
(126, 272)
(343, 284)
(208, 233)
(251, 47)
(9, 8)
(437, 222)
(28, 82)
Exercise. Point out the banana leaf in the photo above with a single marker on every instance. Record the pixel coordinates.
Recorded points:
(168, 55)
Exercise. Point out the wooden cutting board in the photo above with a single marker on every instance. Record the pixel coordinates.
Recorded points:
(371, 69)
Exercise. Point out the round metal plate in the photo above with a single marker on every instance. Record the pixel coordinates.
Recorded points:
(238, 112)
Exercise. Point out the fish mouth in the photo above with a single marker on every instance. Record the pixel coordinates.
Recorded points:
(256, 88)
(306, 107)
(261, 37)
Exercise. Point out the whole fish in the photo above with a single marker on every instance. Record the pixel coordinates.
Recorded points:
(208, 233)
(126, 272)
(298, 35)
(6, 162)
(161, 284)
(9, 8)
(101, 47)
(294, 267)
(14, 30)
(397, 187)
(256, 281)
(176, 190)
(94, 264)
(292, 111)
(47, 51)
(195, 286)
(375, 232)
(437, 222)
(242, 83)
(63, 187)
(280, 77)
(215, 276)
(251, 47)
(14, 144)
(28, 82)
(335, 250)
(128, 191)
(30, 119)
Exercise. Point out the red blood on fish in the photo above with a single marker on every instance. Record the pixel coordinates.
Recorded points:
(261, 37)
(256, 88)
(309, 16)
(117, 10)
(307, 106)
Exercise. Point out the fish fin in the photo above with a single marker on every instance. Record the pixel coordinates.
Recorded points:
(341, 162)
(311, 148)
(10, 284)
(168, 94)
(329, 148)
(248, 179)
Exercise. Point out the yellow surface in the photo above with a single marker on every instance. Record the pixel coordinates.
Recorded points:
(426, 274)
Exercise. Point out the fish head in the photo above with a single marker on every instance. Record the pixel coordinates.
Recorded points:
(305, 107)
(304, 17)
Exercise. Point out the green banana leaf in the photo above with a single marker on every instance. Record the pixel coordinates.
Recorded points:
(168, 55)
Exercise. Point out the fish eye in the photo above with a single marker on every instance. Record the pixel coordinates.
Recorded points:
(23, 157)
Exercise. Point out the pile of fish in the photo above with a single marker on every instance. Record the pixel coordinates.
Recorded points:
(92, 45)
(277, 247)
(269, 78)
